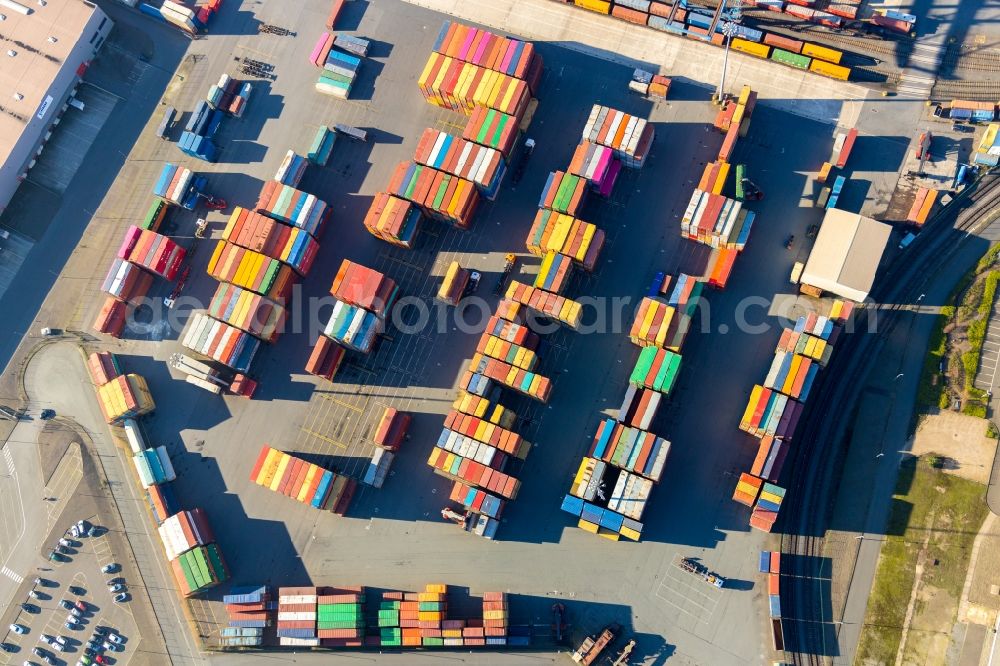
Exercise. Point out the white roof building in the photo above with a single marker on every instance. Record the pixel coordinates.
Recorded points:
(45, 46)
(846, 254)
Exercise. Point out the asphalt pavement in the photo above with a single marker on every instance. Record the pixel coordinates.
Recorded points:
(393, 537)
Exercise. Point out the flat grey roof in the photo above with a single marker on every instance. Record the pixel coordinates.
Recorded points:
(846, 255)
(37, 60)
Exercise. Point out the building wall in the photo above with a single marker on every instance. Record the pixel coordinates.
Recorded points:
(92, 38)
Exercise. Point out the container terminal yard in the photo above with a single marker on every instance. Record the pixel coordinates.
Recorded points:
(452, 331)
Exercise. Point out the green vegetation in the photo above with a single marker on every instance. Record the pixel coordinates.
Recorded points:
(991, 431)
(931, 392)
(935, 518)
(957, 342)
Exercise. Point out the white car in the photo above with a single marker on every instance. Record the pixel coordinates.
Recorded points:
(115, 638)
(18, 628)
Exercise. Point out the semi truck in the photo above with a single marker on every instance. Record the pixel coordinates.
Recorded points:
(592, 647)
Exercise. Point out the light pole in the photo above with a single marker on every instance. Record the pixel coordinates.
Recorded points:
(728, 29)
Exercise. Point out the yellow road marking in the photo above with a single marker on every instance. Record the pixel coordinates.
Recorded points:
(324, 438)
(340, 402)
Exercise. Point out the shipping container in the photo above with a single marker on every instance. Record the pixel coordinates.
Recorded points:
(291, 206)
(358, 285)
(557, 307)
(304, 482)
(220, 341)
(628, 136)
(247, 311)
(325, 359)
(439, 195)
(392, 219)
(125, 396)
(557, 232)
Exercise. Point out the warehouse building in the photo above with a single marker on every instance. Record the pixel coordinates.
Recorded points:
(45, 47)
(846, 255)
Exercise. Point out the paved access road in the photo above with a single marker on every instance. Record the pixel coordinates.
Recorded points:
(393, 537)
(57, 373)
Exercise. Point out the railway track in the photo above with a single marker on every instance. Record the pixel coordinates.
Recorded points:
(819, 453)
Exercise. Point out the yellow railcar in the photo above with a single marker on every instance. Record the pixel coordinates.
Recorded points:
(829, 69)
(823, 53)
(753, 48)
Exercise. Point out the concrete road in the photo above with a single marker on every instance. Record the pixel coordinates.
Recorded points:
(58, 372)
(393, 537)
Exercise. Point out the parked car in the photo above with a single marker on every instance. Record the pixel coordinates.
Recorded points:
(34, 594)
(110, 568)
(115, 638)
(72, 626)
(66, 603)
(82, 526)
(117, 587)
(66, 543)
(79, 591)
(121, 598)
(6, 647)
(30, 608)
(18, 628)
(58, 557)
(82, 605)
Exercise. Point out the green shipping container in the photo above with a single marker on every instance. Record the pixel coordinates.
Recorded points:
(789, 58)
(155, 215)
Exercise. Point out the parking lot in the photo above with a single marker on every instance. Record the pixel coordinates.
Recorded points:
(74, 588)
(394, 537)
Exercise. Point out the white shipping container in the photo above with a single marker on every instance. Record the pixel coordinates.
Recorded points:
(133, 435)
(168, 467)
(142, 469)
(202, 384)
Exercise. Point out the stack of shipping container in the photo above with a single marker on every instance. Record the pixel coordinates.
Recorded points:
(696, 22)
(248, 609)
(191, 20)
(774, 408)
(364, 298)
(488, 77)
(142, 255)
(194, 557)
(353, 617)
(769, 565)
(125, 396)
(219, 341)
(322, 146)
(303, 481)
(483, 166)
(557, 232)
(339, 69)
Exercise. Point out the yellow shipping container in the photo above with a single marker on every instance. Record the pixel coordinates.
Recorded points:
(720, 182)
(306, 481)
(282, 465)
(828, 69)
(561, 232)
(629, 533)
(753, 48)
(822, 52)
(611, 535)
(598, 6)
(793, 370)
(586, 524)
(751, 406)
(216, 253)
(266, 467)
